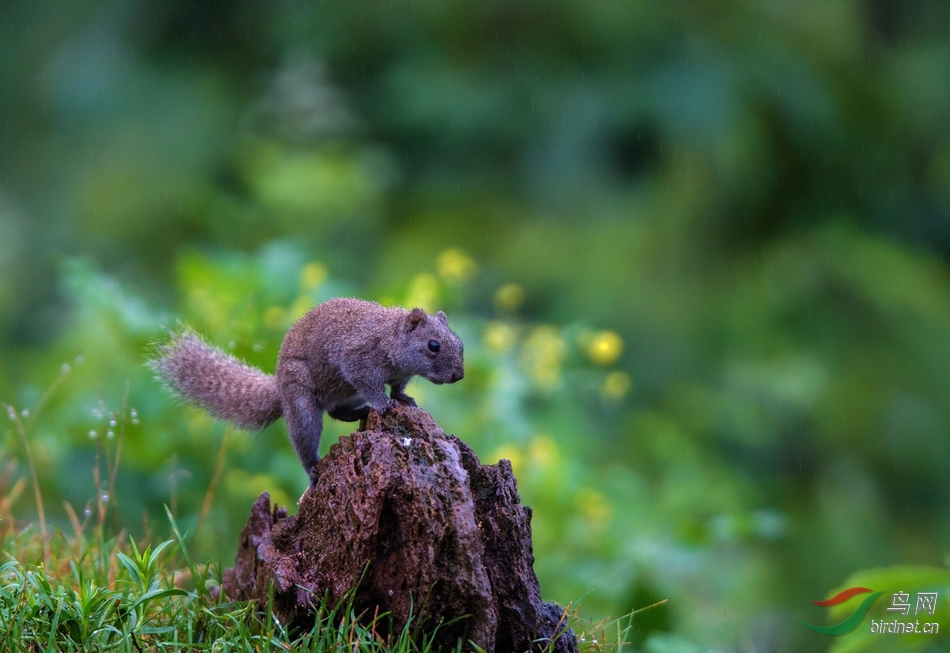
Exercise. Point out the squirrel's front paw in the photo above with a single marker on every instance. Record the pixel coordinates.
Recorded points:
(405, 399)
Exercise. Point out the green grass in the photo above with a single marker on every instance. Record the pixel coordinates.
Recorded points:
(97, 589)
(83, 594)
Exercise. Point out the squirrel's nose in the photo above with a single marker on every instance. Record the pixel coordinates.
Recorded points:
(458, 376)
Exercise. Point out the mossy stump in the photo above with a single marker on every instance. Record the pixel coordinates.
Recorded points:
(408, 516)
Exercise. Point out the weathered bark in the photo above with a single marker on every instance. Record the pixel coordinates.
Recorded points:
(408, 516)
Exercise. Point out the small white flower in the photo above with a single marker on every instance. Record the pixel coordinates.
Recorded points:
(406, 442)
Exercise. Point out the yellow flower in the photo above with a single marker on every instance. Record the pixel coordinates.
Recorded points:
(211, 308)
(455, 266)
(423, 292)
(300, 307)
(604, 348)
(594, 506)
(275, 317)
(238, 482)
(512, 453)
(509, 297)
(500, 337)
(200, 423)
(615, 387)
(544, 351)
(312, 275)
(543, 452)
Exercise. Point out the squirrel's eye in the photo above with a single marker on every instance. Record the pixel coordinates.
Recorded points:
(433, 346)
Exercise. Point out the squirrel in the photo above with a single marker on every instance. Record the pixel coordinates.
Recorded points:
(338, 358)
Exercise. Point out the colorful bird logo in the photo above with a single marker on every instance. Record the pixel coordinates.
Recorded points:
(851, 622)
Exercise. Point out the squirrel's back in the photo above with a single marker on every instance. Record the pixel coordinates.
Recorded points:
(339, 326)
(219, 383)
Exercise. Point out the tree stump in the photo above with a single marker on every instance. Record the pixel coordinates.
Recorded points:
(409, 517)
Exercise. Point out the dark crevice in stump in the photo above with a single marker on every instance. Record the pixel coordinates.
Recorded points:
(408, 516)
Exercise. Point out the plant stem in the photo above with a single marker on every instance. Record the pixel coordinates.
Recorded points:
(213, 486)
(36, 485)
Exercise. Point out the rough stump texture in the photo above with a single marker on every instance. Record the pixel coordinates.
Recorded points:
(408, 515)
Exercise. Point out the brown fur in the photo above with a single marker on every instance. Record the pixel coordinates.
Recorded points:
(339, 358)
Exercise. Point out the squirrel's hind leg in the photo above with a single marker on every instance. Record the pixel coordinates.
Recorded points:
(304, 418)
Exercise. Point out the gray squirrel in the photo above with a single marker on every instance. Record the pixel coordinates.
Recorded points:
(337, 358)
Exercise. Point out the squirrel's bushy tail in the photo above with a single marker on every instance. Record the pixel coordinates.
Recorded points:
(221, 384)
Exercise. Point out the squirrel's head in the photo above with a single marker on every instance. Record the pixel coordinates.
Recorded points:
(433, 348)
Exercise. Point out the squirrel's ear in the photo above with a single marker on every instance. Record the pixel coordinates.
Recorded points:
(442, 317)
(416, 317)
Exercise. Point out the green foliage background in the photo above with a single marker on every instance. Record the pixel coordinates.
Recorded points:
(696, 252)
